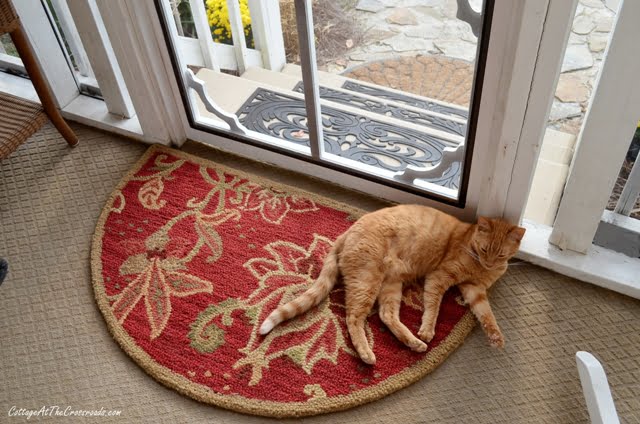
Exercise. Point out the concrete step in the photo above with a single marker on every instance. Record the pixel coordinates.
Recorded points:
(550, 176)
(356, 134)
(380, 92)
(557, 147)
(439, 122)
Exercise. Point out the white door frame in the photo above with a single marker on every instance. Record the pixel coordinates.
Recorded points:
(513, 55)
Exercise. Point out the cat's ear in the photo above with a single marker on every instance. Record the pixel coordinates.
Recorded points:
(484, 225)
(517, 233)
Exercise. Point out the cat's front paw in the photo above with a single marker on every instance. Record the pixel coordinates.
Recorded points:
(426, 334)
(496, 339)
(368, 357)
(417, 346)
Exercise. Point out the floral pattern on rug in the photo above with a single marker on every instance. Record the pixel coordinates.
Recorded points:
(193, 258)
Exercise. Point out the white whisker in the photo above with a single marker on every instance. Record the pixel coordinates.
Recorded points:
(475, 256)
(471, 253)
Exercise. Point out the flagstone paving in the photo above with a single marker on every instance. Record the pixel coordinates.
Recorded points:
(400, 29)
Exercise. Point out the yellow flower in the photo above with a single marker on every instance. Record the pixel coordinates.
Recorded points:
(218, 18)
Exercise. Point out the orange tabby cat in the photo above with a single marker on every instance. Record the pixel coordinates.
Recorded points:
(391, 246)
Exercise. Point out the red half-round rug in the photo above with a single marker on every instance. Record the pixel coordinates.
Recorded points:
(189, 257)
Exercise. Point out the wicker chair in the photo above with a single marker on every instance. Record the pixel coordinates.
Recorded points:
(19, 119)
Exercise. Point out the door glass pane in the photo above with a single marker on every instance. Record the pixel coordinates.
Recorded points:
(396, 81)
(6, 46)
(59, 16)
(10, 61)
(65, 28)
(226, 44)
(9, 58)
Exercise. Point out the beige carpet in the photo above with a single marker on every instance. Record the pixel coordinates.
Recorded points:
(55, 349)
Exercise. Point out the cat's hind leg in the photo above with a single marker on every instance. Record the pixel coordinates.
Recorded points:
(389, 301)
(360, 296)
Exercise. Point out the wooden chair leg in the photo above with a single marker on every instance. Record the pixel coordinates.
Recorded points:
(33, 69)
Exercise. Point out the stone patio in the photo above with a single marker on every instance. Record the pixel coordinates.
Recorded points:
(408, 28)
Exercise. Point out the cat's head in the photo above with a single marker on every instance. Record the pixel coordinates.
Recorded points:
(495, 241)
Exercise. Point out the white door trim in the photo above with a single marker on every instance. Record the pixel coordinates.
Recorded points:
(309, 66)
(599, 266)
(555, 36)
(136, 46)
(531, 70)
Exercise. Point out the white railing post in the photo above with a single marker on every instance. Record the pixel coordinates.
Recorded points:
(267, 33)
(612, 117)
(203, 31)
(72, 37)
(630, 192)
(101, 56)
(237, 33)
(176, 16)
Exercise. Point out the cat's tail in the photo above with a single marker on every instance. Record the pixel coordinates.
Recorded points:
(315, 294)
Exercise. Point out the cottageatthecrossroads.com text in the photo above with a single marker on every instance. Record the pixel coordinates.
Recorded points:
(61, 411)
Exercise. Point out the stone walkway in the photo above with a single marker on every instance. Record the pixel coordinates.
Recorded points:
(430, 27)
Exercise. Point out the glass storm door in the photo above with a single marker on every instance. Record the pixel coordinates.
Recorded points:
(403, 102)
